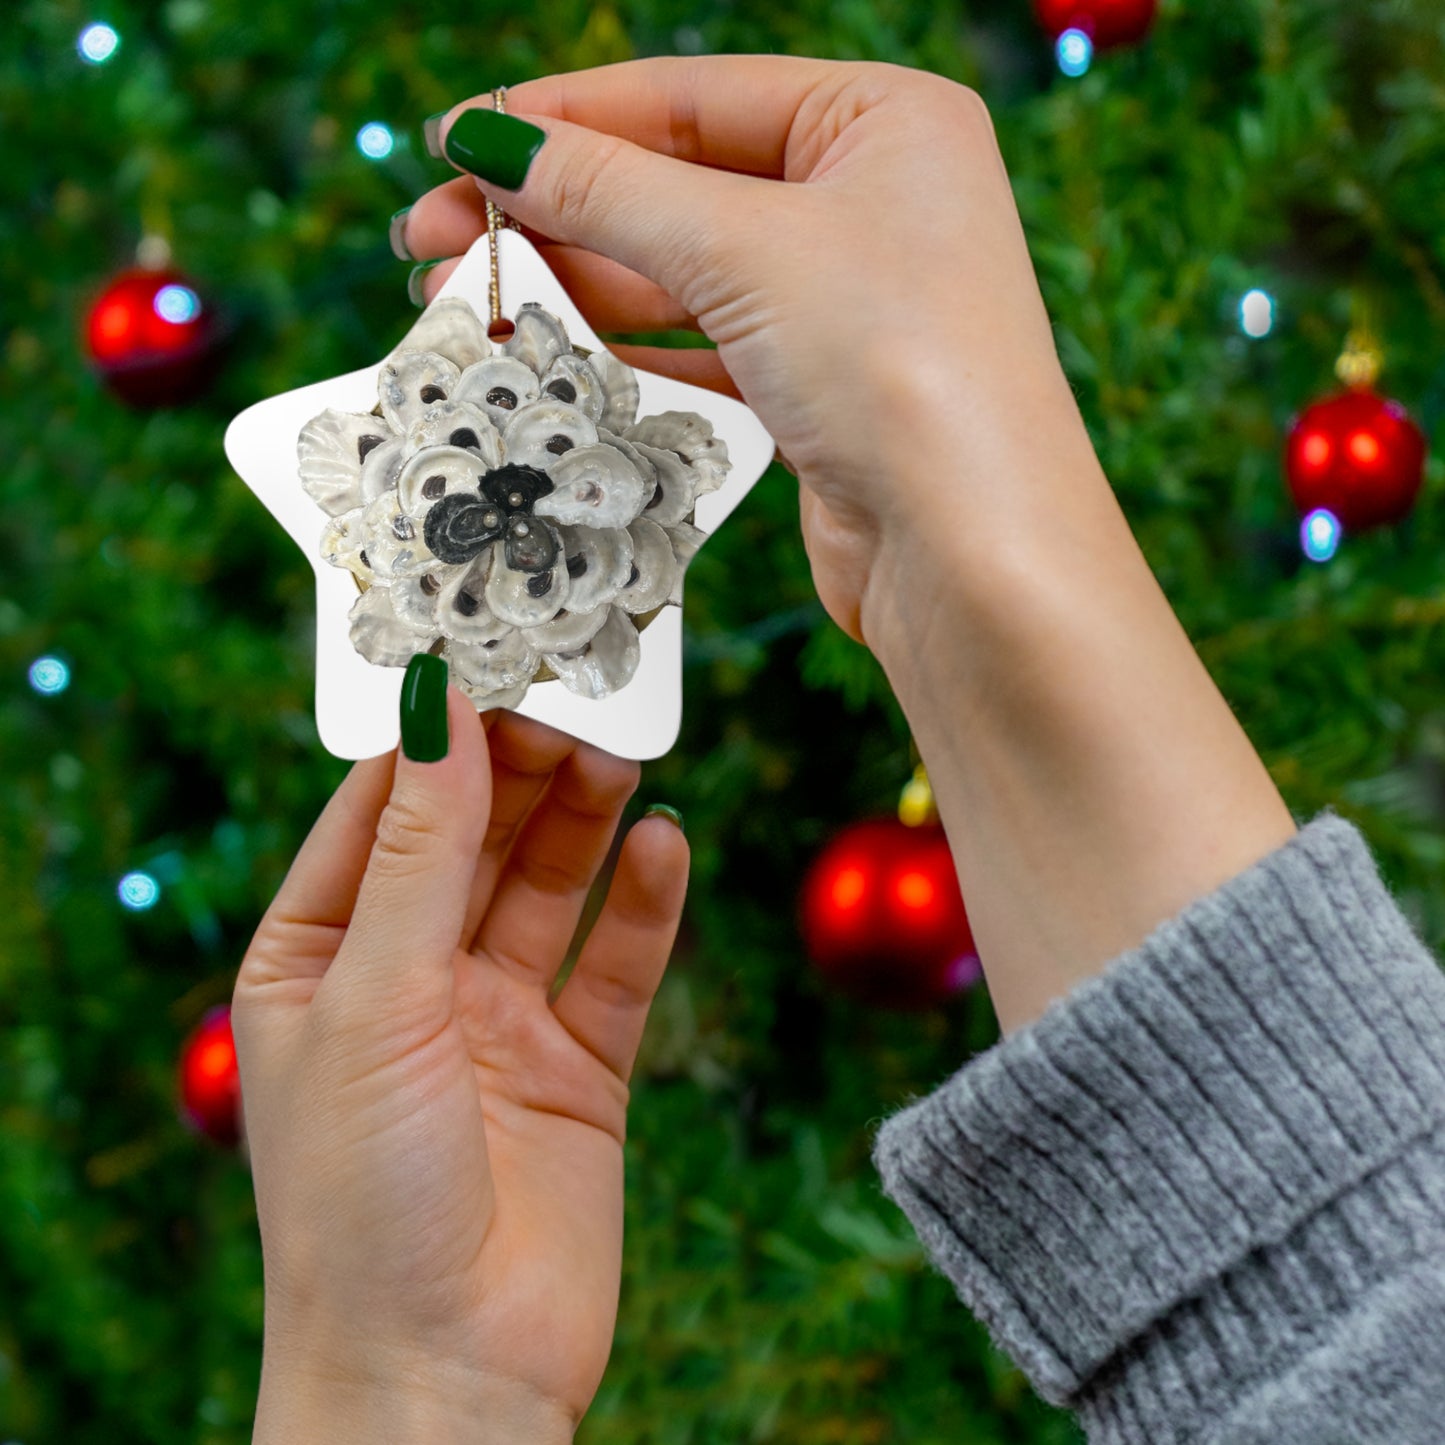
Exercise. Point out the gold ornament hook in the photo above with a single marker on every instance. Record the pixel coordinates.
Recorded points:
(1361, 361)
(915, 804)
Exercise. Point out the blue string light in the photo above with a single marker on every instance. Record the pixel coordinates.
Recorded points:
(375, 140)
(177, 304)
(49, 675)
(1320, 534)
(1075, 52)
(97, 43)
(138, 891)
(1256, 313)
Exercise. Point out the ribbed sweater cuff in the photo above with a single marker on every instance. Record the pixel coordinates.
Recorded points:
(1214, 1108)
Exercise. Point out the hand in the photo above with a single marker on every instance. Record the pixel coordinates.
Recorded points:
(878, 310)
(847, 234)
(437, 1148)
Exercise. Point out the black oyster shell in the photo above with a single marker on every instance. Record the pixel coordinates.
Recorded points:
(459, 526)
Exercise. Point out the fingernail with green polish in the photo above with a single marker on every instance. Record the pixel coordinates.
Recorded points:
(671, 814)
(498, 148)
(396, 234)
(431, 133)
(413, 282)
(424, 709)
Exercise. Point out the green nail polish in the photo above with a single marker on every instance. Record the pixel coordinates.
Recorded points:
(424, 709)
(396, 234)
(671, 814)
(498, 148)
(431, 133)
(413, 282)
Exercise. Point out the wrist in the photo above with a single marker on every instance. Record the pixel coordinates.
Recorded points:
(1092, 779)
(386, 1402)
(981, 514)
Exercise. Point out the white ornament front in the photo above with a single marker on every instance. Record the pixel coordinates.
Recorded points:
(519, 506)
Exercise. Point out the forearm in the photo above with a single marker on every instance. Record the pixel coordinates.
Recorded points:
(1091, 778)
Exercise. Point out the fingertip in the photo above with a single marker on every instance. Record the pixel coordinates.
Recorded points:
(435, 127)
(423, 282)
(665, 810)
(659, 848)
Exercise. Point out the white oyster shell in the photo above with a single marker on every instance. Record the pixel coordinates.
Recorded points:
(450, 328)
(691, 437)
(500, 385)
(379, 635)
(675, 492)
(654, 568)
(567, 631)
(330, 451)
(603, 665)
(486, 698)
(685, 539)
(649, 472)
(434, 473)
(599, 562)
(394, 544)
(540, 338)
(503, 663)
(411, 381)
(538, 434)
(573, 380)
(457, 424)
(462, 612)
(342, 542)
(414, 600)
(526, 599)
(620, 383)
(382, 467)
(592, 486)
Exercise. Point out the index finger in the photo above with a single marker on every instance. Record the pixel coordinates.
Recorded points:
(732, 112)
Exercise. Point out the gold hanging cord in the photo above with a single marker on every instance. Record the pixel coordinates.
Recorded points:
(496, 219)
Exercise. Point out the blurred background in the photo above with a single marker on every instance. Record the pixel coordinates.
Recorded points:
(1224, 199)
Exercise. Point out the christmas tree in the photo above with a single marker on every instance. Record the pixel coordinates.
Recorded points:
(1212, 211)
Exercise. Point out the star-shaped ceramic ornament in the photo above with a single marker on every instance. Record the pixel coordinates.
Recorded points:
(481, 501)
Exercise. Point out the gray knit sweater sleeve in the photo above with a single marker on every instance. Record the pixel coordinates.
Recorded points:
(1201, 1201)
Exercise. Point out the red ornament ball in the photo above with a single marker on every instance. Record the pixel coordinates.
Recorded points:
(883, 919)
(210, 1082)
(1106, 22)
(152, 338)
(1359, 456)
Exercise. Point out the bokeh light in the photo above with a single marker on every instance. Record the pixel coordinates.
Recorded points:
(849, 886)
(914, 889)
(1364, 448)
(177, 304)
(375, 140)
(49, 675)
(1256, 313)
(138, 891)
(1320, 534)
(1316, 451)
(97, 43)
(1075, 52)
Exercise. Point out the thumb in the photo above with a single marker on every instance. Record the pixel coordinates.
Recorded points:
(412, 901)
(664, 218)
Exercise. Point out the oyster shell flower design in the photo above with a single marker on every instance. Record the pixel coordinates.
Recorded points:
(504, 506)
